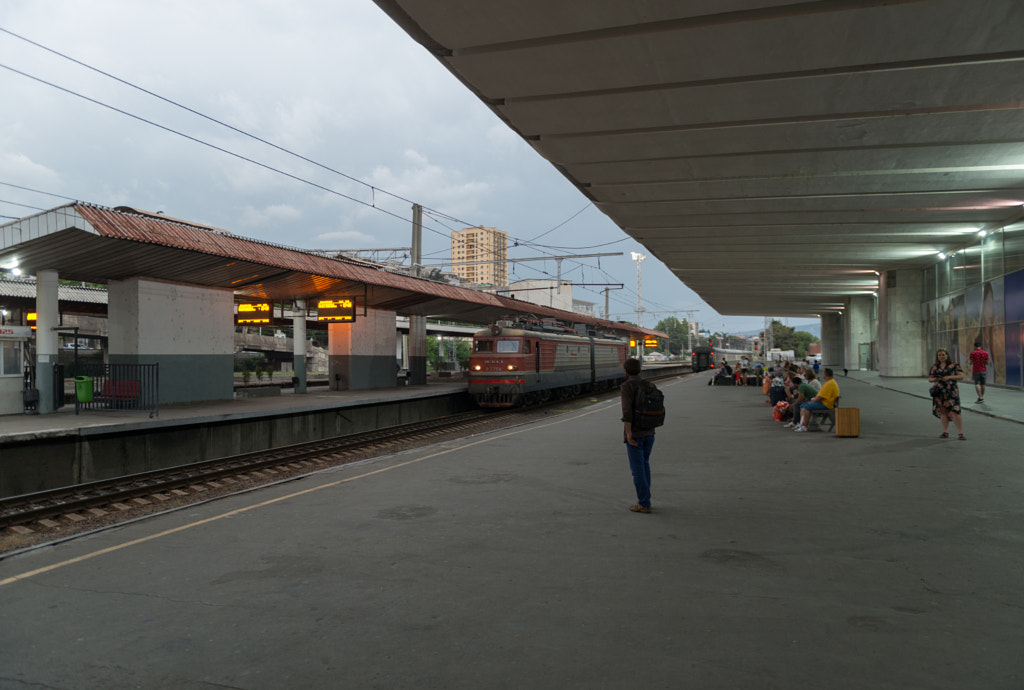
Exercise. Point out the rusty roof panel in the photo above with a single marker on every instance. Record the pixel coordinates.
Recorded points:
(95, 243)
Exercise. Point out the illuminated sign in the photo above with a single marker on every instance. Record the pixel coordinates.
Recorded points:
(33, 317)
(337, 310)
(651, 342)
(258, 313)
(632, 343)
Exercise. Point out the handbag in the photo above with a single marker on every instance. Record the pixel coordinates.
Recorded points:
(935, 391)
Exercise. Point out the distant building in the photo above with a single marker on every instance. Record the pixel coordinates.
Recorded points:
(545, 292)
(480, 244)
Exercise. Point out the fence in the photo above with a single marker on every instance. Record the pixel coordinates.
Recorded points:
(31, 394)
(118, 387)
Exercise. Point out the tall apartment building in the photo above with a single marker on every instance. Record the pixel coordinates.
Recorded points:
(480, 244)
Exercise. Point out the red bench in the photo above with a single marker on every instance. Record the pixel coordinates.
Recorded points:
(119, 391)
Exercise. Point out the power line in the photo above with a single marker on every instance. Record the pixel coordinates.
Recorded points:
(435, 214)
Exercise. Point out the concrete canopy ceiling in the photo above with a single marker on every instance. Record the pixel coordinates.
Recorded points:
(775, 155)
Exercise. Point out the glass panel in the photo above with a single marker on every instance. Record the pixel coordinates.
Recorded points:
(1013, 248)
(942, 278)
(992, 256)
(507, 346)
(10, 357)
(485, 346)
(971, 267)
(956, 271)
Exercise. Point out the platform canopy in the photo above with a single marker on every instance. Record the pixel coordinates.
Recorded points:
(96, 244)
(776, 155)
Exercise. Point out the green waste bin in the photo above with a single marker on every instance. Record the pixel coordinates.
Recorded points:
(83, 388)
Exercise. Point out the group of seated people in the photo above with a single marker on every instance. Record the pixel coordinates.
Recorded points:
(743, 374)
(798, 385)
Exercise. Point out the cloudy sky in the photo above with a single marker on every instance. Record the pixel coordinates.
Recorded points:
(380, 121)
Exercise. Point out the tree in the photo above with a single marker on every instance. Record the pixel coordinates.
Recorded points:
(788, 338)
(677, 333)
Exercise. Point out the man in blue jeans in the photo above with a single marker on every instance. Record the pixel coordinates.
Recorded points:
(639, 442)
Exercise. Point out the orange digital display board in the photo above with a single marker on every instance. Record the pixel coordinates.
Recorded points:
(258, 313)
(340, 310)
(651, 342)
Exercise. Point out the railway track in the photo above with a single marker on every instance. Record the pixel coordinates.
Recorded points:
(31, 519)
(48, 511)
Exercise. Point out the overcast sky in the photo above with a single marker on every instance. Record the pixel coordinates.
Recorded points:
(333, 81)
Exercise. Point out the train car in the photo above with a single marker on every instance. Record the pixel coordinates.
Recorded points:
(706, 357)
(518, 363)
(702, 358)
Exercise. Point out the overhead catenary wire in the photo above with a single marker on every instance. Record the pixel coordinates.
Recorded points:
(437, 215)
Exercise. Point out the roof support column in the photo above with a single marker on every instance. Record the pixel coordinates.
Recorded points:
(299, 347)
(48, 310)
(832, 340)
(361, 355)
(417, 350)
(859, 335)
(900, 331)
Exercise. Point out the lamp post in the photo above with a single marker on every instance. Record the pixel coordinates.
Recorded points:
(639, 258)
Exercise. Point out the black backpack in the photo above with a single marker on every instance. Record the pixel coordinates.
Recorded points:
(648, 406)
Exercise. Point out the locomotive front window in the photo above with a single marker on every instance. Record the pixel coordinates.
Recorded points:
(485, 346)
(507, 346)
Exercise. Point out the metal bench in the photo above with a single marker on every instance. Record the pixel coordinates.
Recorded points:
(819, 416)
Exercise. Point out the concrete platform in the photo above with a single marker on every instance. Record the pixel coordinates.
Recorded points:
(509, 560)
(64, 422)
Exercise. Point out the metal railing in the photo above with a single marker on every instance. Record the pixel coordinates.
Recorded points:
(118, 387)
(30, 396)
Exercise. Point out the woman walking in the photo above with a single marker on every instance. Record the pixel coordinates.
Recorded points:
(945, 394)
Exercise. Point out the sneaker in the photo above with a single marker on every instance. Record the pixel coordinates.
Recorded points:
(800, 428)
(790, 425)
(979, 400)
(640, 509)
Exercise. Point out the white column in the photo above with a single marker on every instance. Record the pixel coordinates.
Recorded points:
(859, 330)
(299, 346)
(48, 318)
(900, 330)
(832, 341)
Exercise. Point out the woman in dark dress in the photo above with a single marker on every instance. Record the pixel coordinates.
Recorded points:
(946, 396)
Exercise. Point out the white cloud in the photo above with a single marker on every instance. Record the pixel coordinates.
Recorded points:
(350, 236)
(280, 214)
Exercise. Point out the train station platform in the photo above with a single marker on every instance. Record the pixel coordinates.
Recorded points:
(20, 427)
(506, 560)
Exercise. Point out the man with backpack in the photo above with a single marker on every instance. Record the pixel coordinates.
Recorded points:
(643, 409)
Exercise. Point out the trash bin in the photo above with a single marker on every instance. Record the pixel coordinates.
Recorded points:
(83, 388)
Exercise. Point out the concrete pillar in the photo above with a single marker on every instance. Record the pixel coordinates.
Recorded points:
(417, 350)
(859, 329)
(900, 330)
(299, 346)
(48, 318)
(832, 341)
(361, 355)
(188, 330)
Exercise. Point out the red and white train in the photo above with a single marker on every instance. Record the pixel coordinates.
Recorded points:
(525, 363)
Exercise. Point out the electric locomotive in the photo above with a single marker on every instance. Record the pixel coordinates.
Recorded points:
(527, 362)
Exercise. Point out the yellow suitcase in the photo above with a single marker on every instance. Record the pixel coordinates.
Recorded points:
(847, 421)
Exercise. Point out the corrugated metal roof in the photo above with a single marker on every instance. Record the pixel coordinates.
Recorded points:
(97, 244)
(26, 289)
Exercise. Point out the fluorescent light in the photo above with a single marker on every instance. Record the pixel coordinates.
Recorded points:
(942, 255)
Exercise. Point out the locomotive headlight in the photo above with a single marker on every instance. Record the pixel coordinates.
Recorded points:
(476, 367)
(512, 367)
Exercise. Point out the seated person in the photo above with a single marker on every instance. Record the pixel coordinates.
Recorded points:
(813, 381)
(724, 373)
(804, 393)
(824, 400)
